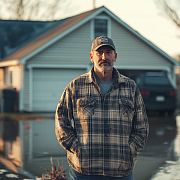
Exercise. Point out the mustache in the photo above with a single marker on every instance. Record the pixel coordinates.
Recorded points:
(105, 61)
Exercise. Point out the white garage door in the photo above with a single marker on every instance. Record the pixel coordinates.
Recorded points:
(48, 86)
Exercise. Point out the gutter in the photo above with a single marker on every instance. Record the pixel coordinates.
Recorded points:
(9, 63)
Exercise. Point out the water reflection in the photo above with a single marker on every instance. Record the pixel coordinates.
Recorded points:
(162, 132)
(30, 144)
(171, 169)
(9, 140)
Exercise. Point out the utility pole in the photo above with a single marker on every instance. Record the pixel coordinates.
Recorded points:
(94, 4)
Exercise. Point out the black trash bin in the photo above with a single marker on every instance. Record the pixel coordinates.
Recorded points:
(8, 96)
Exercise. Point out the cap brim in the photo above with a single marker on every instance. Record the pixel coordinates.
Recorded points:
(103, 45)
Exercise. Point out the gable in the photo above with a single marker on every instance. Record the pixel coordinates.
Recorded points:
(72, 49)
(133, 51)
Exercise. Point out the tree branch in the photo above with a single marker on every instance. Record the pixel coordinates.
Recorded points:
(170, 10)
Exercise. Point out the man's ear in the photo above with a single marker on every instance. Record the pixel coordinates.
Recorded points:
(91, 57)
(115, 57)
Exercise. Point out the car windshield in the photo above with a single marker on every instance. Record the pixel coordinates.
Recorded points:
(156, 80)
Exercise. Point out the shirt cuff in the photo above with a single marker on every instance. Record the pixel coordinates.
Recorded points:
(133, 149)
(74, 147)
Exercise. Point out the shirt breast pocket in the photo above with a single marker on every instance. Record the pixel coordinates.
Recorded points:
(85, 107)
(126, 109)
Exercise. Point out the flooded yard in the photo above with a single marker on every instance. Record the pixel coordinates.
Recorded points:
(30, 144)
(171, 168)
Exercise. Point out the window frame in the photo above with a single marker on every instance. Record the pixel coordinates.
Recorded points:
(93, 26)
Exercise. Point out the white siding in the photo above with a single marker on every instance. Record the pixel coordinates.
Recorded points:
(17, 83)
(1, 78)
(132, 51)
(72, 49)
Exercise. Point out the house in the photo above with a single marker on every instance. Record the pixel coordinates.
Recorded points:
(41, 68)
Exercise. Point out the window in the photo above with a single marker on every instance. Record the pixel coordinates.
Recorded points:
(8, 76)
(157, 80)
(100, 27)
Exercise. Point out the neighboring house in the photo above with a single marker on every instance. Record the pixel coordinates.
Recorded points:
(41, 69)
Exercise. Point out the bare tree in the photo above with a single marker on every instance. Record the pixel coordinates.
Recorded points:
(34, 9)
(171, 9)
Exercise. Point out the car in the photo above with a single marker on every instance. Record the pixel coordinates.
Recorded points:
(157, 91)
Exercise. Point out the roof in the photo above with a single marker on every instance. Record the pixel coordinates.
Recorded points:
(40, 39)
(51, 33)
(15, 34)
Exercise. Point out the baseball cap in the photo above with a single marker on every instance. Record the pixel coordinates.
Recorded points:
(102, 41)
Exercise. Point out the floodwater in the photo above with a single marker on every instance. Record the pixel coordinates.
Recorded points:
(171, 168)
(159, 147)
(31, 144)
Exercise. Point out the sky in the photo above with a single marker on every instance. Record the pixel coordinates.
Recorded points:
(144, 17)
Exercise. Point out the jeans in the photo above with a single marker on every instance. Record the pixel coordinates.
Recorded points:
(74, 175)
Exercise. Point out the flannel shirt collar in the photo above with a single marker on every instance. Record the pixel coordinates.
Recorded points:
(118, 78)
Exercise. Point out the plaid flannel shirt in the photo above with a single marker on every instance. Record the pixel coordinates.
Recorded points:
(101, 134)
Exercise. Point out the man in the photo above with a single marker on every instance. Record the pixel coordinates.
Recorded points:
(101, 119)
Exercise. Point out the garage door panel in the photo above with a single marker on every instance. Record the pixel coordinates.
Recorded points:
(48, 86)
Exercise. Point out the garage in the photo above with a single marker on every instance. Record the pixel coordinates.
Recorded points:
(48, 86)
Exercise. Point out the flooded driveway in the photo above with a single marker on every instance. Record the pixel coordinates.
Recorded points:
(31, 144)
(159, 147)
(171, 168)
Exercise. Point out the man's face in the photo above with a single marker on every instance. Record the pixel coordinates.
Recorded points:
(103, 58)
